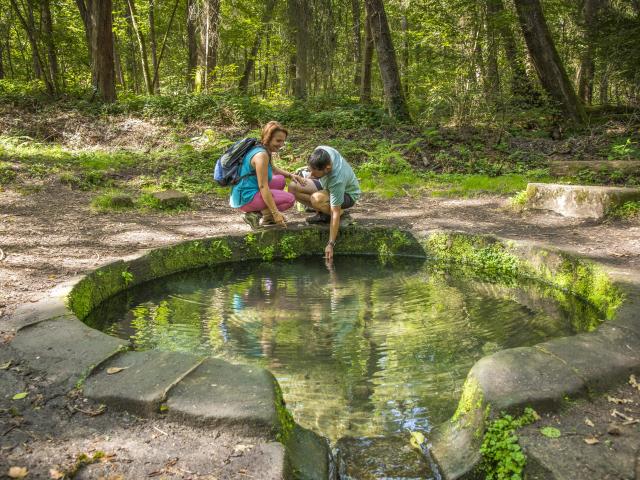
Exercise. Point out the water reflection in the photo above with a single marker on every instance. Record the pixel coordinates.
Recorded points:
(365, 349)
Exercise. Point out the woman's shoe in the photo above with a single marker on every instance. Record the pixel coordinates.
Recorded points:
(252, 219)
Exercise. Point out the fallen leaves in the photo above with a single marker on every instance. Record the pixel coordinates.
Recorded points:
(634, 383)
(5, 366)
(18, 472)
(20, 396)
(55, 474)
(589, 422)
(113, 370)
(591, 441)
(619, 401)
(417, 439)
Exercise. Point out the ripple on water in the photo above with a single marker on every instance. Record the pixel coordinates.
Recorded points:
(366, 350)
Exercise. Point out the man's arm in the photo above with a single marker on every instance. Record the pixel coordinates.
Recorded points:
(334, 227)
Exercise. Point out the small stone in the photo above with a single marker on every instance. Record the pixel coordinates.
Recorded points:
(614, 430)
(121, 201)
(172, 199)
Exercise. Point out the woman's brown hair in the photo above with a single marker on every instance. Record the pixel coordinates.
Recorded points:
(270, 129)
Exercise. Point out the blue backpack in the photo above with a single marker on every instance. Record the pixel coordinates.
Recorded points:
(227, 171)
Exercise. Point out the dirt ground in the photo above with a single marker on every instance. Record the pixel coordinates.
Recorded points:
(52, 235)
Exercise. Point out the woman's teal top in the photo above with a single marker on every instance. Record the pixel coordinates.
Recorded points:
(244, 191)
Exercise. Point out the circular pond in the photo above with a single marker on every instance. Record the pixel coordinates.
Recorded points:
(368, 349)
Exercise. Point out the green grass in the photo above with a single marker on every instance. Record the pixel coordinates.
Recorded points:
(105, 202)
(445, 185)
(626, 211)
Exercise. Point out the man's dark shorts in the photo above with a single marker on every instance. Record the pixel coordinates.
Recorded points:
(348, 202)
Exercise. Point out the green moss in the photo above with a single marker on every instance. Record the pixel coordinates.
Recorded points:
(471, 399)
(499, 260)
(285, 419)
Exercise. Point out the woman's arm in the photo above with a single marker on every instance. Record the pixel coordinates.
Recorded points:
(291, 176)
(260, 162)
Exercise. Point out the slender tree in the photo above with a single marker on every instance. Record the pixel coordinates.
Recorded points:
(192, 44)
(387, 60)
(155, 81)
(546, 60)
(521, 86)
(586, 71)
(367, 61)
(357, 41)
(251, 60)
(52, 57)
(142, 45)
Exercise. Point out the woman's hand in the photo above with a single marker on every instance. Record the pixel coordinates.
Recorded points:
(298, 179)
(279, 219)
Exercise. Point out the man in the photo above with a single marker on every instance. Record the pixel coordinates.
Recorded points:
(334, 189)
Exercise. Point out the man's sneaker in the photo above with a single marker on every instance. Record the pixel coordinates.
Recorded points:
(319, 218)
(252, 219)
(346, 220)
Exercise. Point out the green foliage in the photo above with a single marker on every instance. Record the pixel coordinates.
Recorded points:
(627, 210)
(551, 432)
(127, 276)
(108, 201)
(519, 200)
(625, 149)
(502, 457)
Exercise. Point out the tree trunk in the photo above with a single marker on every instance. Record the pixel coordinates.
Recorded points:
(586, 71)
(493, 72)
(155, 80)
(144, 60)
(117, 63)
(85, 15)
(357, 41)
(28, 24)
(546, 60)
(521, 86)
(156, 75)
(405, 55)
(299, 20)
(207, 51)
(387, 60)
(102, 49)
(47, 25)
(367, 61)
(243, 86)
(192, 46)
(1, 63)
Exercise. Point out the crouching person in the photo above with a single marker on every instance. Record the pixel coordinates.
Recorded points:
(260, 193)
(333, 189)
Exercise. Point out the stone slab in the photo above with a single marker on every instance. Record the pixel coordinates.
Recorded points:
(171, 198)
(559, 168)
(222, 394)
(266, 461)
(66, 350)
(390, 457)
(519, 377)
(143, 384)
(578, 201)
(602, 358)
(308, 454)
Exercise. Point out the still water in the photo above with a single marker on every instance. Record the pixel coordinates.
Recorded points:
(366, 350)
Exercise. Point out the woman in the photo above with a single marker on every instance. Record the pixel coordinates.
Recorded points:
(261, 193)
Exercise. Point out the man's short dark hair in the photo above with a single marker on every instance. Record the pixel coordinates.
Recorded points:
(319, 159)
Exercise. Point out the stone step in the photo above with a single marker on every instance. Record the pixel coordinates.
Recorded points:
(578, 201)
(66, 350)
(143, 384)
(561, 168)
(172, 199)
(219, 393)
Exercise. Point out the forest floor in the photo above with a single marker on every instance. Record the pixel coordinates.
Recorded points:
(49, 233)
